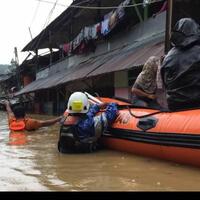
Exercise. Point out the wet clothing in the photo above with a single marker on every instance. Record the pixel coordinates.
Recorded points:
(92, 125)
(181, 67)
(23, 124)
(83, 134)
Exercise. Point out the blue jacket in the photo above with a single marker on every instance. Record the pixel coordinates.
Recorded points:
(86, 127)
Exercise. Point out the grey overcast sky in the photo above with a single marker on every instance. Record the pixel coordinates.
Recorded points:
(16, 16)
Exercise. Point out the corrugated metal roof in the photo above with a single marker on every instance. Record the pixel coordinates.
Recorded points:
(31, 87)
(83, 70)
(76, 72)
(120, 59)
(129, 59)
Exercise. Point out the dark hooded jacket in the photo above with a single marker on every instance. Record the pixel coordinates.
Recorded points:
(180, 70)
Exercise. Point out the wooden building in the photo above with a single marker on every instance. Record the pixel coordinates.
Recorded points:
(106, 63)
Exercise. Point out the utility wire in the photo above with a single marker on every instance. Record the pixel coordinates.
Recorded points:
(63, 5)
(101, 8)
(34, 16)
(50, 2)
(50, 14)
(35, 13)
(46, 23)
(112, 7)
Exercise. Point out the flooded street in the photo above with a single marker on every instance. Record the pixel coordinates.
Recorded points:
(30, 162)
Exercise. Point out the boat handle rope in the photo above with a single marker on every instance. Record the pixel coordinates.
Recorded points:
(143, 116)
(158, 112)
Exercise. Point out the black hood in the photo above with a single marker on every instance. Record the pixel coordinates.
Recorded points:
(185, 33)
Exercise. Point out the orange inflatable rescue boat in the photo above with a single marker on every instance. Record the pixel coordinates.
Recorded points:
(173, 136)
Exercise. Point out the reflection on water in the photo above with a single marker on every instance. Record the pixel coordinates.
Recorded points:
(19, 138)
(30, 162)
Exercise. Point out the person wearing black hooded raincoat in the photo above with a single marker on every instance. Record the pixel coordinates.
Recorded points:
(180, 70)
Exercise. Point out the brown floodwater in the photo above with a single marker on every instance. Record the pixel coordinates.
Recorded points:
(31, 162)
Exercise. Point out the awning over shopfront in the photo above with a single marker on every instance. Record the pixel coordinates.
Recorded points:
(129, 59)
(76, 72)
(120, 59)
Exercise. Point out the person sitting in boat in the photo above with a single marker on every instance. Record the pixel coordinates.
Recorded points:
(144, 88)
(181, 67)
(18, 121)
(81, 127)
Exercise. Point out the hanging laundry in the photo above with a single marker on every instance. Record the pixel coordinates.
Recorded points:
(107, 16)
(94, 31)
(113, 20)
(82, 48)
(121, 10)
(87, 33)
(98, 30)
(61, 55)
(105, 27)
(90, 33)
(120, 13)
(79, 38)
(70, 47)
(66, 47)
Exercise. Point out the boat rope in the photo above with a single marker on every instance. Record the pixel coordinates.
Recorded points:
(143, 116)
(157, 112)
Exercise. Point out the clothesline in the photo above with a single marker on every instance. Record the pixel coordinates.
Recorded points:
(102, 8)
